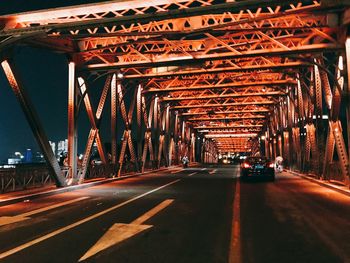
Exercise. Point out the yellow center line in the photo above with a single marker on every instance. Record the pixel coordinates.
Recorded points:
(235, 243)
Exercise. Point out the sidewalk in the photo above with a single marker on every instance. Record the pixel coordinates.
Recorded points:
(29, 194)
(329, 184)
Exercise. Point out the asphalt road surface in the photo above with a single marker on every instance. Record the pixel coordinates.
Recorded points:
(202, 214)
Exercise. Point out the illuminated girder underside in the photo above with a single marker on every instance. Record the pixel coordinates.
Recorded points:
(221, 67)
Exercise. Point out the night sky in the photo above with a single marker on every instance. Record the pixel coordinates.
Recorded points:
(45, 77)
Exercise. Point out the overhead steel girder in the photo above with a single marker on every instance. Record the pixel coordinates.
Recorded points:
(219, 105)
(34, 123)
(231, 135)
(199, 58)
(228, 127)
(227, 118)
(224, 112)
(245, 19)
(222, 86)
(289, 65)
(229, 131)
(222, 96)
(94, 10)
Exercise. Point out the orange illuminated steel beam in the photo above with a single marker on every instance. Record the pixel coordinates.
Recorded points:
(245, 126)
(260, 110)
(225, 85)
(231, 135)
(275, 66)
(98, 15)
(214, 117)
(220, 105)
(198, 58)
(222, 96)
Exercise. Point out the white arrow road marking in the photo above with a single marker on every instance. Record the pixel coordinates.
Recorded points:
(120, 232)
(5, 220)
(80, 222)
(213, 171)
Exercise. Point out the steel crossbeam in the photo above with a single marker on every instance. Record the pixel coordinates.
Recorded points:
(234, 84)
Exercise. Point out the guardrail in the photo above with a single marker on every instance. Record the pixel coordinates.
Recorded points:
(25, 176)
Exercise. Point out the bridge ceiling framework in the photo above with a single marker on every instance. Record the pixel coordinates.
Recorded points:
(198, 78)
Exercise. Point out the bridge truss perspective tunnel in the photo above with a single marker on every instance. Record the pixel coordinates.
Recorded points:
(197, 78)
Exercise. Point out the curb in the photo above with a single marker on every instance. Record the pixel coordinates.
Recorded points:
(22, 198)
(322, 183)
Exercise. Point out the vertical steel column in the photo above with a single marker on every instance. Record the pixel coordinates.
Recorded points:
(176, 138)
(347, 50)
(166, 146)
(34, 123)
(72, 129)
(341, 149)
(161, 138)
(267, 148)
(274, 147)
(329, 152)
(139, 123)
(193, 148)
(280, 145)
(114, 119)
(148, 133)
(286, 147)
(327, 89)
(300, 101)
(155, 128)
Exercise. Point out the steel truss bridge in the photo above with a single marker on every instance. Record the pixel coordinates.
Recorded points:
(202, 78)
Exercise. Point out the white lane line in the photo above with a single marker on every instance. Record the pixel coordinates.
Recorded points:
(203, 169)
(192, 173)
(235, 243)
(213, 171)
(140, 220)
(178, 171)
(5, 220)
(80, 222)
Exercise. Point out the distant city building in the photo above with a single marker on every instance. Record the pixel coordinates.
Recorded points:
(62, 147)
(53, 147)
(28, 156)
(14, 160)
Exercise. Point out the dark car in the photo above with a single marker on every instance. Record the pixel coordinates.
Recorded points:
(258, 167)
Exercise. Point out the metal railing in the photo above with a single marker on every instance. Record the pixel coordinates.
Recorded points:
(26, 176)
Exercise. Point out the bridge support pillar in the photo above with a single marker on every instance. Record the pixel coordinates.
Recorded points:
(347, 49)
(72, 128)
(114, 119)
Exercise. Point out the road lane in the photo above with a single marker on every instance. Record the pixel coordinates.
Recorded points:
(294, 220)
(290, 220)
